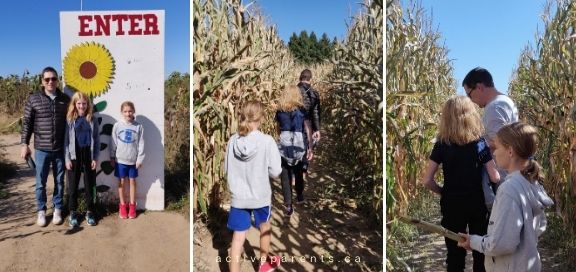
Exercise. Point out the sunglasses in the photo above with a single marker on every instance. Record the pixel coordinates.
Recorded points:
(48, 79)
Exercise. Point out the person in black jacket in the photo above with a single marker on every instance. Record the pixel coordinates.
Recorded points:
(45, 116)
(312, 114)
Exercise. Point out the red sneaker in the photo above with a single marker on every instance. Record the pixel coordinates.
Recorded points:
(270, 265)
(132, 210)
(122, 211)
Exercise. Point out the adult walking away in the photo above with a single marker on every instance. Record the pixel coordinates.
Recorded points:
(45, 116)
(311, 100)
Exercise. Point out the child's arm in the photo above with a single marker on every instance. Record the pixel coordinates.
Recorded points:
(140, 147)
(505, 234)
(274, 159)
(429, 177)
(492, 171)
(308, 129)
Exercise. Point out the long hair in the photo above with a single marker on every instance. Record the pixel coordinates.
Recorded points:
(251, 112)
(73, 112)
(460, 122)
(523, 139)
(291, 99)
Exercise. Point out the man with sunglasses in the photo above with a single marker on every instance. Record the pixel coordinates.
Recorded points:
(45, 116)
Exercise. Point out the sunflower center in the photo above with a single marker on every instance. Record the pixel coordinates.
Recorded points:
(88, 70)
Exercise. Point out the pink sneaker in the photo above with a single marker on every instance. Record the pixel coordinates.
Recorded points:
(132, 210)
(270, 265)
(122, 211)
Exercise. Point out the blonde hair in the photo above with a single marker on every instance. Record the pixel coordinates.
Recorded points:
(73, 112)
(523, 139)
(251, 112)
(460, 122)
(127, 104)
(291, 99)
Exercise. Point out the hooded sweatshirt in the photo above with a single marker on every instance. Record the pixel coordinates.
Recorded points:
(516, 222)
(250, 161)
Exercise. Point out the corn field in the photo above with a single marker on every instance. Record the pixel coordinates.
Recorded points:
(238, 58)
(419, 79)
(14, 91)
(354, 105)
(543, 88)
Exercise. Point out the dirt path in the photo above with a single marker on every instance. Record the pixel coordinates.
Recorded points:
(428, 253)
(322, 235)
(154, 241)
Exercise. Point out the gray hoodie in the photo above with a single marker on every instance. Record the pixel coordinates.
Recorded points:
(516, 222)
(127, 142)
(250, 161)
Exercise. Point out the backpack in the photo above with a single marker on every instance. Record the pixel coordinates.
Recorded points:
(292, 144)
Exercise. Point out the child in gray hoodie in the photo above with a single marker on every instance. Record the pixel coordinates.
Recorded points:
(251, 158)
(518, 217)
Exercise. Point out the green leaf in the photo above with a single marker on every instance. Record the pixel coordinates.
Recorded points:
(100, 106)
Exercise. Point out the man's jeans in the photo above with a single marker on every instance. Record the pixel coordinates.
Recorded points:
(43, 161)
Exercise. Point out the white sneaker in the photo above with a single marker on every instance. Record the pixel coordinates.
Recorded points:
(57, 217)
(41, 221)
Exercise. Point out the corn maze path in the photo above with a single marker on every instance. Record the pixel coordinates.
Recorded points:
(154, 241)
(428, 253)
(324, 234)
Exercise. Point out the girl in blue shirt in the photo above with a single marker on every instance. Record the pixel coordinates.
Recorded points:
(81, 147)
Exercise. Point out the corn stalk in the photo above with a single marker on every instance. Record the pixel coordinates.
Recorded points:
(236, 58)
(543, 88)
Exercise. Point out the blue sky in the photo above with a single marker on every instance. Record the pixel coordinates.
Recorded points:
(490, 34)
(31, 32)
(320, 16)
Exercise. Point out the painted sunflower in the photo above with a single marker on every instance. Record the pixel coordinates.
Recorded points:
(89, 68)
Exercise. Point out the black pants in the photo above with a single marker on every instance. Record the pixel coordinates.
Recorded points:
(286, 177)
(457, 214)
(81, 164)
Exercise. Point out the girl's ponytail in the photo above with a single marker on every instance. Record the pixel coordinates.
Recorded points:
(533, 171)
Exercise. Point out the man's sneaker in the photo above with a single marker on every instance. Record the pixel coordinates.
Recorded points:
(57, 217)
(132, 210)
(90, 220)
(288, 210)
(73, 220)
(270, 265)
(122, 211)
(41, 221)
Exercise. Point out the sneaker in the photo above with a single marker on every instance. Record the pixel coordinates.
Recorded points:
(41, 221)
(270, 265)
(288, 210)
(72, 220)
(90, 220)
(132, 210)
(122, 211)
(57, 217)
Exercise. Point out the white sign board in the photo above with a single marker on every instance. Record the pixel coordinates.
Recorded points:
(117, 56)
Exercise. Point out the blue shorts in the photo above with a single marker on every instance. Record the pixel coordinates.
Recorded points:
(123, 170)
(240, 219)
